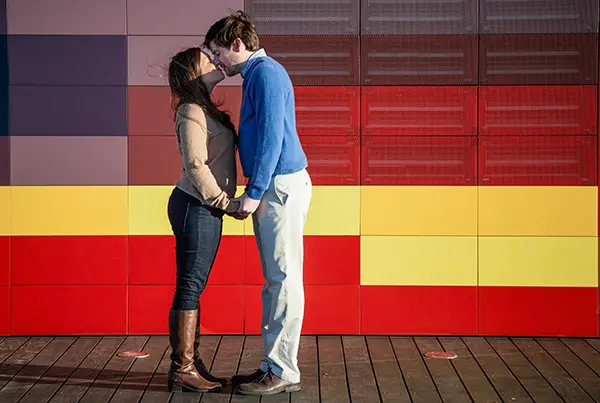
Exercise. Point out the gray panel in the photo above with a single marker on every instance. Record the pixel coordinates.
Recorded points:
(4, 161)
(68, 111)
(538, 16)
(432, 17)
(67, 60)
(305, 17)
(68, 161)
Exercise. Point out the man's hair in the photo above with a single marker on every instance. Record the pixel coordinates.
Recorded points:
(225, 31)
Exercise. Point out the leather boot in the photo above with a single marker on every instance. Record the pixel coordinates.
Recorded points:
(200, 367)
(183, 374)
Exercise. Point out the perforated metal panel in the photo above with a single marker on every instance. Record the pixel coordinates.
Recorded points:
(432, 17)
(332, 160)
(400, 111)
(327, 111)
(304, 17)
(538, 16)
(329, 60)
(538, 59)
(419, 60)
(546, 110)
(418, 160)
(538, 160)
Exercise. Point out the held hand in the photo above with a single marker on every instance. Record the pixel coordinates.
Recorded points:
(247, 205)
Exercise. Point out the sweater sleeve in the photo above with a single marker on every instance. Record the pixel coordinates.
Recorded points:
(192, 131)
(269, 99)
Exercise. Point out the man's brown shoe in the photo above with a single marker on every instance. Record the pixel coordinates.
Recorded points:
(267, 384)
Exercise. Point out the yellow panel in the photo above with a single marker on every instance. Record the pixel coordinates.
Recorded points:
(419, 210)
(418, 260)
(334, 210)
(4, 210)
(148, 212)
(538, 261)
(68, 210)
(538, 210)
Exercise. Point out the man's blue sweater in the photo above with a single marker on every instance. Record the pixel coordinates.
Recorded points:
(268, 141)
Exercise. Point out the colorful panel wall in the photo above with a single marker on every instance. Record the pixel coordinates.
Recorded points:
(453, 147)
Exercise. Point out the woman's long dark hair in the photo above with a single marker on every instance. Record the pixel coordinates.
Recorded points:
(186, 87)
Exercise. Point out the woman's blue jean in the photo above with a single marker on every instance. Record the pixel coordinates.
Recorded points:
(197, 229)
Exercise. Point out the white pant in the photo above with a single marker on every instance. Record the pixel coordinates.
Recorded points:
(278, 227)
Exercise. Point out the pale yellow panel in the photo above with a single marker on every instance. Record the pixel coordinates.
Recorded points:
(538, 261)
(419, 210)
(4, 210)
(418, 260)
(148, 212)
(334, 210)
(538, 210)
(68, 210)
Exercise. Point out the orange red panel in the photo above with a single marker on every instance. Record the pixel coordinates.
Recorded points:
(5, 311)
(4, 260)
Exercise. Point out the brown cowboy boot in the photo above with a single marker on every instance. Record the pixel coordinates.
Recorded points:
(200, 367)
(183, 374)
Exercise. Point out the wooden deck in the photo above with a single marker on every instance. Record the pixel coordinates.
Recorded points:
(334, 369)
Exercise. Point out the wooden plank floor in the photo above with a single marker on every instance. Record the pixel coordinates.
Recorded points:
(334, 369)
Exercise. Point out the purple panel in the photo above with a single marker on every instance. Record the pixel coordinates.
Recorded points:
(185, 17)
(55, 161)
(67, 60)
(538, 59)
(287, 17)
(68, 111)
(543, 17)
(434, 17)
(4, 161)
(419, 60)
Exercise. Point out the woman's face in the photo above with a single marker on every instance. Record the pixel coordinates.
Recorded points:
(209, 74)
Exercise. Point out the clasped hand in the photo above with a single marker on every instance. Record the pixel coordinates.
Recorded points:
(247, 207)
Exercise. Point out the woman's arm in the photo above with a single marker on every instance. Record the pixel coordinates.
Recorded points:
(193, 136)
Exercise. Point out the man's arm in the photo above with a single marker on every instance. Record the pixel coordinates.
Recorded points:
(269, 100)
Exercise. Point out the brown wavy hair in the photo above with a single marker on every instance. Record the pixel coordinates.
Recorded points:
(236, 25)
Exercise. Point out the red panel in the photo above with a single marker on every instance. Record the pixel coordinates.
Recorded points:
(4, 260)
(328, 260)
(222, 310)
(68, 310)
(153, 160)
(435, 310)
(150, 112)
(394, 111)
(149, 309)
(316, 60)
(152, 260)
(68, 260)
(327, 111)
(537, 110)
(537, 160)
(332, 160)
(538, 311)
(538, 59)
(4, 311)
(419, 160)
(327, 310)
(419, 60)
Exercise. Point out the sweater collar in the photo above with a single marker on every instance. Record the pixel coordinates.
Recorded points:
(255, 56)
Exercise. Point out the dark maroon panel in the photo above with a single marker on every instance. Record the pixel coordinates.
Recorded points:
(67, 59)
(393, 17)
(537, 160)
(316, 60)
(429, 161)
(332, 160)
(153, 160)
(4, 160)
(68, 111)
(3, 17)
(426, 110)
(419, 60)
(538, 59)
(327, 111)
(544, 17)
(285, 17)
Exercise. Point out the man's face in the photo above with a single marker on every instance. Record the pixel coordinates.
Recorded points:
(225, 59)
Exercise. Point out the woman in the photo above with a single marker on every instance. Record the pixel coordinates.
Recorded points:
(203, 194)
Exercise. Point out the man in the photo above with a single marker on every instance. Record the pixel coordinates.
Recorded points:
(277, 195)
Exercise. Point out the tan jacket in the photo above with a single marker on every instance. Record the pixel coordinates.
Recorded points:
(208, 156)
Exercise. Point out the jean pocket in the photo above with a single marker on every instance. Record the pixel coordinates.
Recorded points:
(281, 191)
